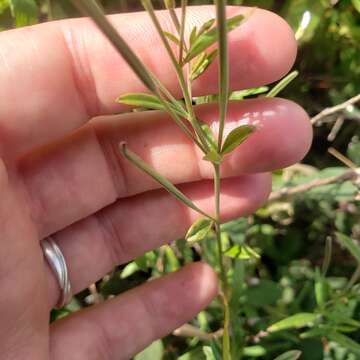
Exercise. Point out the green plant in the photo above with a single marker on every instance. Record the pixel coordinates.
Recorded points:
(193, 56)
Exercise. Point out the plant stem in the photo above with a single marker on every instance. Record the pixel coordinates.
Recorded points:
(223, 277)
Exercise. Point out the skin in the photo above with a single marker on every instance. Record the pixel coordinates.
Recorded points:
(61, 175)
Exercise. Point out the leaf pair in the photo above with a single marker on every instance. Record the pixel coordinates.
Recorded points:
(235, 138)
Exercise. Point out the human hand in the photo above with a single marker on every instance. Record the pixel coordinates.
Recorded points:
(61, 175)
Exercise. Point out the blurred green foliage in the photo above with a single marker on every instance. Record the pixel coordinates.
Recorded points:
(294, 269)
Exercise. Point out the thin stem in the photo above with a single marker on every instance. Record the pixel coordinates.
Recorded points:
(223, 277)
(184, 86)
(182, 30)
(223, 66)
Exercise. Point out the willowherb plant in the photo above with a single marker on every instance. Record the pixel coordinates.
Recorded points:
(192, 56)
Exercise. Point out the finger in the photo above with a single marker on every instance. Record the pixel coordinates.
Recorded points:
(124, 326)
(24, 323)
(84, 173)
(132, 226)
(60, 87)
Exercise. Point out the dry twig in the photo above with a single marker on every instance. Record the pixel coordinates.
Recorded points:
(288, 191)
(333, 110)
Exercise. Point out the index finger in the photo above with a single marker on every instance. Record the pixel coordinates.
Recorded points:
(56, 76)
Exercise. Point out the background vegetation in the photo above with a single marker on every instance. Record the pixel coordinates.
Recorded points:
(297, 258)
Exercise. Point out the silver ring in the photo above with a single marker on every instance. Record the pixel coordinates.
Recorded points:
(56, 261)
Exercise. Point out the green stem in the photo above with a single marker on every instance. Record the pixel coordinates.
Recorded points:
(223, 277)
(184, 86)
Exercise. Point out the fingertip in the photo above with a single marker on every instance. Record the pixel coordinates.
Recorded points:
(204, 283)
(262, 50)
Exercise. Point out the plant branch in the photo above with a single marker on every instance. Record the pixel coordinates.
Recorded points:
(333, 110)
(289, 191)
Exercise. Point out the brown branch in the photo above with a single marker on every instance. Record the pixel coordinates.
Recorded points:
(333, 110)
(188, 330)
(289, 191)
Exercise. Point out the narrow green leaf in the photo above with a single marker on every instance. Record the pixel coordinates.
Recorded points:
(129, 270)
(206, 26)
(210, 37)
(237, 137)
(25, 12)
(327, 255)
(241, 94)
(242, 252)
(294, 322)
(199, 229)
(209, 136)
(201, 65)
(255, 351)
(171, 262)
(152, 102)
(137, 161)
(350, 245)
(172, 38)
(282, 84)
(209, 355)
(321, 290)
(289, 355)
(193, 36)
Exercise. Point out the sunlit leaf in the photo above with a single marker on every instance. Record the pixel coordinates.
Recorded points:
(294, 322)
(152, 352)
(237, 137)
(242, 252)
(210, 37)
(208, 352)
(25, 12)
(289, 355)
(356, 4)
(172, 37)
(193, 35)
(209, 136)
(199, 229)
(171, 262)
(204, 61)
(206, 26)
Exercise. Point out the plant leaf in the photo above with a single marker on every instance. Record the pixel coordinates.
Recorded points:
(294, 322)
(148, 101)
(172, 38)
(206, 26)
(4, 4)
(25, 12)
(210, 37)
(350, 245)
(282, 84)
(213, 156)
(237, 137)
(193, 35)
(204, 61)
(199, 229)
(242, 252)
(289, 355)
(171, 188)
(208, 352)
